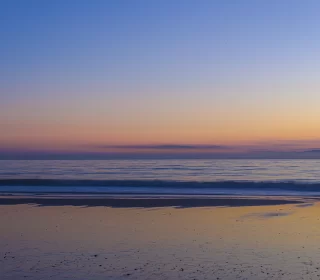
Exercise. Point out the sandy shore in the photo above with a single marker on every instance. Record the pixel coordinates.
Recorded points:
(60, 241)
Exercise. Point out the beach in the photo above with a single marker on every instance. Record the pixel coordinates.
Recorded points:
(159, 140)
(124, 238)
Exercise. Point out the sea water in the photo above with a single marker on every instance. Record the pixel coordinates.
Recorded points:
(238, 177)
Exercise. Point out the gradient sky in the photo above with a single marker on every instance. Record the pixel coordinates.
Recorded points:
(95, 75)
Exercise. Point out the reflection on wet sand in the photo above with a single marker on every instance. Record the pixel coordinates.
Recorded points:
(256, 242)
(148, 201)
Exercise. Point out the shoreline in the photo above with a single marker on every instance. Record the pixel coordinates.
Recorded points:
(150, 201)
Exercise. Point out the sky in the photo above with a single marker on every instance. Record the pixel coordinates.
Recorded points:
(159, 77)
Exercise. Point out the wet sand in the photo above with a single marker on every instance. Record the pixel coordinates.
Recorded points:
(147, 201)
(79, 242)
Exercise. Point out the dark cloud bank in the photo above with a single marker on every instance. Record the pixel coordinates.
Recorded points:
(163, 151)
(164, 147)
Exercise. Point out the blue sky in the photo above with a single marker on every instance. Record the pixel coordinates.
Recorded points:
(122, 72)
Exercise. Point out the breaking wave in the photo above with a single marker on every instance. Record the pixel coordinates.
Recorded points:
(159, 187)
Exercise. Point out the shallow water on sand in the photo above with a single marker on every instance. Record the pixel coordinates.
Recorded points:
(258, 242)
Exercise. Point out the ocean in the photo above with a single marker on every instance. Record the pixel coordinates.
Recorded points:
(161, 177)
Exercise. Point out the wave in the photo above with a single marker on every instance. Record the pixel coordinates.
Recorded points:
(159, 187)
(291, 185)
